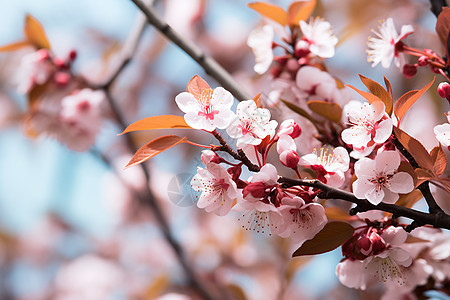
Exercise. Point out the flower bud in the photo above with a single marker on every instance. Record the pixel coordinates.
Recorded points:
(209, 156)
(289, 127)
(364, 245)
(289, 158)
(62, 78)
(409, 70)
(422, 61)
(444, 90)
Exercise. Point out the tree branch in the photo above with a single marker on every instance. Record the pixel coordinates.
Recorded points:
(438, 219)
(211, 66)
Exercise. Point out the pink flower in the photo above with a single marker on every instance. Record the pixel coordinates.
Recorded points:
(260, 40)
(35, 68)
(302, 221)
(218, 189)
(370, 125)
(378, 180)
(318, 37)
(290, 128)
(80, 118)
(442, 133)
(210, 111)
(330, 167)
(386, 47)
(286, 148)
(252, 124)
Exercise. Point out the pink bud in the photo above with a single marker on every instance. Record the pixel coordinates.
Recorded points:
(365, 245)
(292, 65)
(289, 127)
(62, 78)
(378, 244)
(43, 54)
(423, 61)
(409, 70)
(289, 158)
(209, 156)
(444, 90)
(60, 63)
(72, 55)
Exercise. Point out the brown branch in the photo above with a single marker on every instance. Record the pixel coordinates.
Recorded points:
(211, 66)
(433, 207)
(438, 219)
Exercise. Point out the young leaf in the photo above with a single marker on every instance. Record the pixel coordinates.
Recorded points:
(299, 11)
(14, 46)
(423, 175)
(443, 25)
(379, 91)
(417, 150)
(408, 99)
(408, 200)
(158, 122)
(329, 238)
(388, 87)
(331, 111)
(257, 100)
(155, 147)
(368, 96)
(196, 85)
(271, 11)
(439, 159)
(35, 33)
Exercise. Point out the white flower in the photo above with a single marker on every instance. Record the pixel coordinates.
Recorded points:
(302, 221)
(252, 124)
(260, 40)
(318, 37)
(34, 68)
(378, 181)
(442, 133)
(369, 122)
(330, 167)
(384, 48)
(218, 189)
(210, 111)
(80, 118)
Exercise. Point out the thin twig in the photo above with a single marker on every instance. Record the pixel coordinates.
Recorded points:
(211, 66)
(433, 207)
(439, 219)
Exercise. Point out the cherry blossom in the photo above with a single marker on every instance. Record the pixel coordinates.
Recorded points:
(252, 124)
(330, 167)
(35, 68)
(378, 180)
(302, 221)
(286, 148)
(442, 133)
(289, 127)
(80, 118)
(370, 125)
(318, 38)
(386, 46)
(218, 189)
(260, 40)
(210, 111)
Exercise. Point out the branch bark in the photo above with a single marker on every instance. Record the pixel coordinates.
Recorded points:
(438, 219)
(211, 66)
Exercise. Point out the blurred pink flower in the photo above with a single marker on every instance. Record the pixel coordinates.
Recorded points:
(35, 68)
(318, 38)
(260, 40)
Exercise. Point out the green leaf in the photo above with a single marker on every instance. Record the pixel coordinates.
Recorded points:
(329, 238)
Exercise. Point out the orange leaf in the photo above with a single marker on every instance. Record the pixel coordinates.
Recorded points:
(417, 150)
(271, 11)
(329, 238)
(257, 100)
(443, 25)
(379, 91)
(336, 213)
(412, 239)
(368, 96)
(35, 33)
(331, 111)
(388, 87)
(300, 11)
(196, 85)
(408, 200)
(423, 175)
(439, 159)
(158, 122)
(14, 46)
(155, 147)
(408, 99)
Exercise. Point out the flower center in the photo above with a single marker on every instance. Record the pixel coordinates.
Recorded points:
(206, 108)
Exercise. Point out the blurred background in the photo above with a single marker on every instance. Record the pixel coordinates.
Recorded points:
(73, 225)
